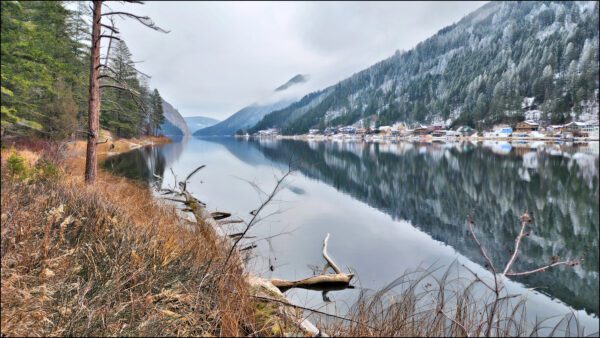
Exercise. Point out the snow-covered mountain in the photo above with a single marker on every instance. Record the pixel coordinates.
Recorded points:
(477, 72)
(248, 116)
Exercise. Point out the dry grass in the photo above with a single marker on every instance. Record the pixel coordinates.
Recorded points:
(109, 259)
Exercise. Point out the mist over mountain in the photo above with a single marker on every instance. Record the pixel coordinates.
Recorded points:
(504, 62)
(195, 123)
(249, 116)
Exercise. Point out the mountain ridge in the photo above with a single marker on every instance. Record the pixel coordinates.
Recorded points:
(248, 116)
(477, 72)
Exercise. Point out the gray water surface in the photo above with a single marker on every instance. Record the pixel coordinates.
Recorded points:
(393, 207)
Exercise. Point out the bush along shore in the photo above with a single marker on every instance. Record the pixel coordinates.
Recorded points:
(112, 259)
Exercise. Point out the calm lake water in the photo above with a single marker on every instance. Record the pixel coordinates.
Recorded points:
(393, 207)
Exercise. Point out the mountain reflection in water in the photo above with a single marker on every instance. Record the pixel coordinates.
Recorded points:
(435, 186)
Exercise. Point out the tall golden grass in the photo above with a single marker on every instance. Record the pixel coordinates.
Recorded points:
(109, 259)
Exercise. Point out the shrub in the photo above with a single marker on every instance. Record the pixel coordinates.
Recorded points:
(17, 167)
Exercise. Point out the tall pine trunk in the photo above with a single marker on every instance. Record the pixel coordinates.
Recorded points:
(94, 97)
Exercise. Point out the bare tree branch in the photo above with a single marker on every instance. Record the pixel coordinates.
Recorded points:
(108, 37)
(256, 212)
(525, 219)
(144, 20)
(111, 28)
(544, 268)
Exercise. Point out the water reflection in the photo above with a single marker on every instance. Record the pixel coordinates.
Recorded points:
(147, 163)
(434, 186)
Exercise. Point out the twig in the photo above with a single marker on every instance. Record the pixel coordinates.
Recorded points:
(543, 268)
(487, 258)
(255, 214)
(524, 220)
(330, 261)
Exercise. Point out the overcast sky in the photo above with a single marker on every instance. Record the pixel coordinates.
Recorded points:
(220, 57)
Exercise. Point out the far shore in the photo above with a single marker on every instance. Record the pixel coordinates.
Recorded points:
(429, 138)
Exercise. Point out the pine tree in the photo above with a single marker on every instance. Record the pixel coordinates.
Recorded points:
(157, 116)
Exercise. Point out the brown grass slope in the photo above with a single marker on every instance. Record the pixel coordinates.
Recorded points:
(109, 259)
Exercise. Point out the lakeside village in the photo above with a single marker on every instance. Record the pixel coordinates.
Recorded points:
(531, 129)
(525, 130)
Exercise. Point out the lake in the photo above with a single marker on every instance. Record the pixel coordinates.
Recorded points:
(395, 206)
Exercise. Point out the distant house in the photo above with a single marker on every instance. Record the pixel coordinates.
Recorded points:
(583, 129)
(330, 131)
(439, 133)
(527, 126)
(348, 130)
(385, 130)
(313, 131)
(555, 128)
(422, 130)
(268, 132)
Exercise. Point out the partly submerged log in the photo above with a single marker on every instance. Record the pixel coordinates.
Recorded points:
(324, 282)
(329, 282)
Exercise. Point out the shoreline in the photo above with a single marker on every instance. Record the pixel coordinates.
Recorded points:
(158, 235)
(258, 286)
(420, 139)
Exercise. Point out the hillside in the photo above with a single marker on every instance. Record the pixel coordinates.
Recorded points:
(478, 71)
(198, 122)
(250, 115)
(174, 123)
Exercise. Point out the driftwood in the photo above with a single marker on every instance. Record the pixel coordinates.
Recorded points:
(192, 204)
(324, 282)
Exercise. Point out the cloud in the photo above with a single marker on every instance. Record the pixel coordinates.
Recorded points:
(220, 57)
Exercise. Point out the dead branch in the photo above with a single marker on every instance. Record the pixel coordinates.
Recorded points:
(256, 212)
(218, 215)
(525, 219)
(330, 261)
(111, 28)
(144, 20)
(544, 268)
(324, 282)
(481, 249)
(193, 205)
(109, 37)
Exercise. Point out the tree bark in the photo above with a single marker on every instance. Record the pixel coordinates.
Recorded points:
(91, 160)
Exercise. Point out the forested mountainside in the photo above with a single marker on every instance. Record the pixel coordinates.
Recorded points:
(45, 76)
(174, 123)
(249, 116)
(198, 122)
(477, 72)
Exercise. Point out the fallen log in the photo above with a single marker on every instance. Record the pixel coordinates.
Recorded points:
(324, 282)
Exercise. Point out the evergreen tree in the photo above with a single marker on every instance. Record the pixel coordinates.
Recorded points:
(157, 117)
